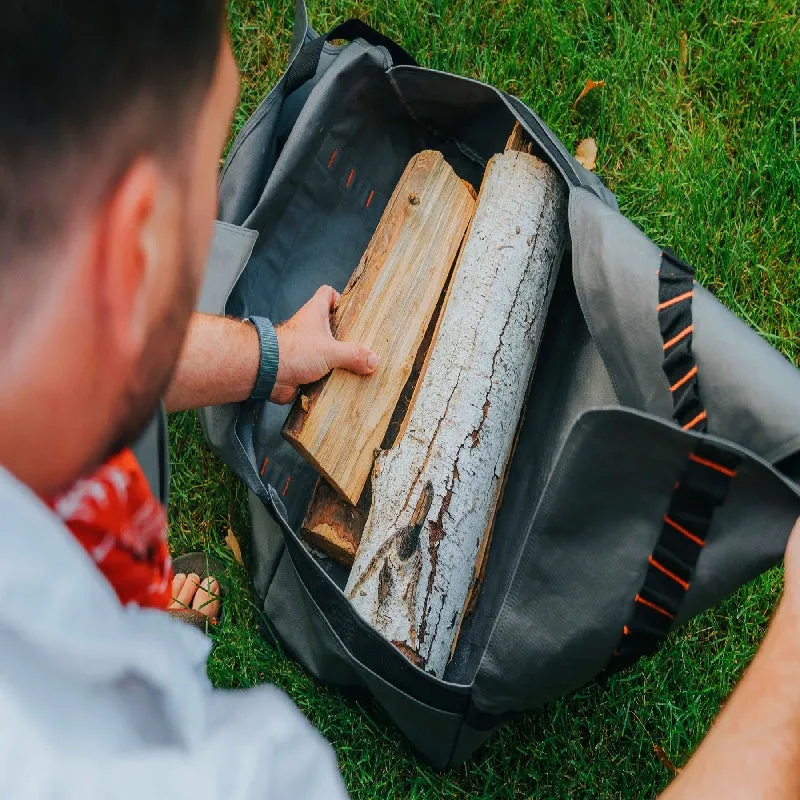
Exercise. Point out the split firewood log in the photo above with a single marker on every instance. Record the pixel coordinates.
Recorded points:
(386, 306)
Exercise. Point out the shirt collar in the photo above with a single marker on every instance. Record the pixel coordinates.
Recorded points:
(53, 597)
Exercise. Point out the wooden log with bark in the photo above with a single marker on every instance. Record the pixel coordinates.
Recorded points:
(386, 306)
(436, 491)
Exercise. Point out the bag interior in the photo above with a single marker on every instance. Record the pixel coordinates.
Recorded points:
(334, 158)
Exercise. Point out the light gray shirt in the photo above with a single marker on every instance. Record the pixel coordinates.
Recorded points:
(98, 700)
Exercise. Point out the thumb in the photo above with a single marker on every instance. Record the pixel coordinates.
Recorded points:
(353, 357)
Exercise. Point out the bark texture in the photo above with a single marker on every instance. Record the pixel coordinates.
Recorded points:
(436, 492)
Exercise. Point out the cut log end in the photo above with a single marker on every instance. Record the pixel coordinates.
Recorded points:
(333, 525)
(519, 140)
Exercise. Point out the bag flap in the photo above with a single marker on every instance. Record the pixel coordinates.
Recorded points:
(749, 390)
(585, 554)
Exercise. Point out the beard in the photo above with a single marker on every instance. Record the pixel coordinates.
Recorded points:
(142, 398)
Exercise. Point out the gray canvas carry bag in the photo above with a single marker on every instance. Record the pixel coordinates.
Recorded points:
(656, 469)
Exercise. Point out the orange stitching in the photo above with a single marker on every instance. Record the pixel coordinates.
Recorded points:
(654, 563)
(682, 335)
(675, 300)
(695, 539)
(640, 599)
(369, 199)
(264, 465)
(286, 487)
(350, 178)
(687, 377)
(699, 418)
(333, 157)
(731, 473)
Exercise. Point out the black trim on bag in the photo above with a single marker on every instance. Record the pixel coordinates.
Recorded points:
(368, 647)
(701, 489)
(675, 294)
(548, 142)
(304, 66)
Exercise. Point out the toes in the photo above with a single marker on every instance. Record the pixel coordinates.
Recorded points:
(177, 584)
(206, 598)
(183, 599)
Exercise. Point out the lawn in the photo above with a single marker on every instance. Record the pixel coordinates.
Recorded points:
(697, 130)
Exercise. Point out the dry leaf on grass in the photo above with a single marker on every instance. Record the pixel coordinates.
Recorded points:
(586, 154)
(233, 544)
(664, 759)
(683, 58)
(588, 87)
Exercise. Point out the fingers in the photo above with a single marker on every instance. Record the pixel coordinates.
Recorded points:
(328, 297)
(282, 394)
(177, 584)
(353, 357)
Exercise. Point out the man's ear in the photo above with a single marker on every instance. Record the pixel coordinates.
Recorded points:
(127, 254)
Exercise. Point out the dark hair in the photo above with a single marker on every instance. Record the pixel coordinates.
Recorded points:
(85, 87)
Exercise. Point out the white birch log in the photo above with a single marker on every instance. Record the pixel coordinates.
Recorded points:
(436, 491)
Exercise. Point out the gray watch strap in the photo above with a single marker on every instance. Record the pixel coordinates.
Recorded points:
(268, 360)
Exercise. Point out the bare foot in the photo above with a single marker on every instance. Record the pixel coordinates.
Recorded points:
(189, 592)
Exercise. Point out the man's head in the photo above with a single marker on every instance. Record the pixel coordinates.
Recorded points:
(114, 113)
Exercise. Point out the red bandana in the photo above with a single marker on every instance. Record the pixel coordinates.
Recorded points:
(123, 527)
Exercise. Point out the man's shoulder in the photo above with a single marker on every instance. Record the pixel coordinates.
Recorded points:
(91, 691)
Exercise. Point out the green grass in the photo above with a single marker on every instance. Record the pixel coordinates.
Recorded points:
(700, 144)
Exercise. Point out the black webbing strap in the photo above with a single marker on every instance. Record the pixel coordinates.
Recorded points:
(675, 293)
(305, 64)
(701, 488)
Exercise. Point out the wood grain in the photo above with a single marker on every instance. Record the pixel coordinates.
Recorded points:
(386, 306)
(518, 141)
(332, 524)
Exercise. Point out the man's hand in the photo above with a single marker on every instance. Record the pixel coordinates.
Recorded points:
(307, 350)
(753, 749)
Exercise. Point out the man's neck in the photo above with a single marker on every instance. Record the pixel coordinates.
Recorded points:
(44, 431)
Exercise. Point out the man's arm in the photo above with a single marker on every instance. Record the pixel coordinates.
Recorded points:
(753, 749)
(221, 357)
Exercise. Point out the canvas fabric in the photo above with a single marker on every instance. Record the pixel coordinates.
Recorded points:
(603, 456)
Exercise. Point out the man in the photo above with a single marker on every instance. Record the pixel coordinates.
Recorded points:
(114, 113)
(113, 116)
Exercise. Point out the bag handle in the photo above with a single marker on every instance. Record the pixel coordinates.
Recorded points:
(305, 65)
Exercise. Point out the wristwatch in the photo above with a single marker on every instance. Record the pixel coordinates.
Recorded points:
(268, 360)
